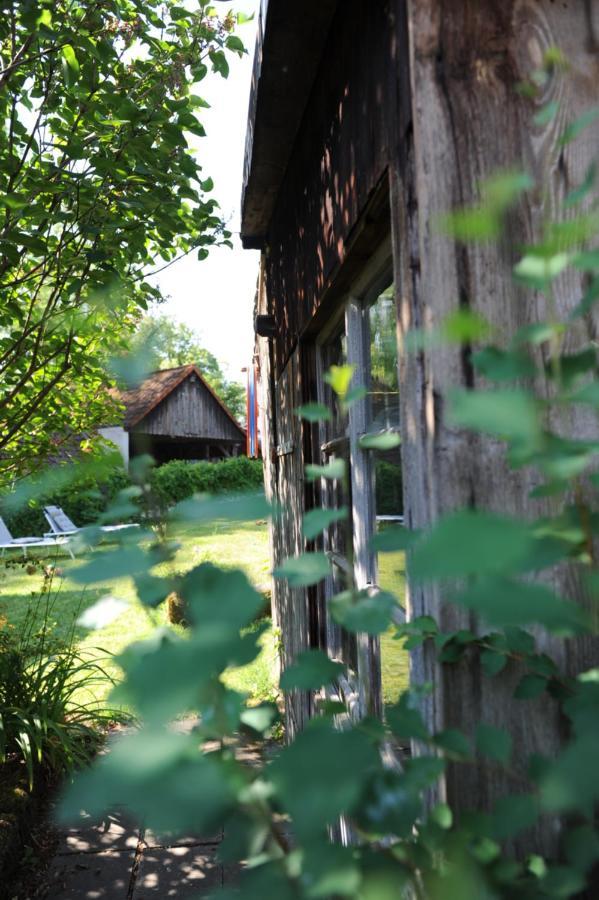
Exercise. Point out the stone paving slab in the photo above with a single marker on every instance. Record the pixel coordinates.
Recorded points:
(154, 840)
(184, 873)
(92, 876)
(114, 832)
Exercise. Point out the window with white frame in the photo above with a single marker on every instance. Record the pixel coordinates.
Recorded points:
(366, 337)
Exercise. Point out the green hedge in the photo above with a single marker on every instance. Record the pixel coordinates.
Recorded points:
(177, 480)
(389, 489)
(86, 498)
(83, 501)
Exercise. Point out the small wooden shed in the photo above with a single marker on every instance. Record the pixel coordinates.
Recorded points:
(175, 414)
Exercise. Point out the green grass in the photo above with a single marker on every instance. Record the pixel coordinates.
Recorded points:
(242, 545)
(394, 659)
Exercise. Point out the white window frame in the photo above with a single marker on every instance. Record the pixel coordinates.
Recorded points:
(374, 278)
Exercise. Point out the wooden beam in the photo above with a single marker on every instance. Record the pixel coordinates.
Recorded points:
(291, 41)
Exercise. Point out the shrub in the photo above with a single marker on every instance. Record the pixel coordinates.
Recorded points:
(84, 500)
(46, 722)
(179, 480)
(389, 489)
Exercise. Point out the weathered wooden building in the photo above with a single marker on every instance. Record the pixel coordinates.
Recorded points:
(366, 122)
(175, 414)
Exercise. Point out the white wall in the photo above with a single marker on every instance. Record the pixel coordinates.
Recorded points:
(118, 436)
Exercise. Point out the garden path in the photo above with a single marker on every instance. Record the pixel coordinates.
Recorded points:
(118, 859)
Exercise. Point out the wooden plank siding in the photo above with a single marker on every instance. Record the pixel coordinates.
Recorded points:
(340, 155)
(466, 59)
(190, 411)
(416, 100)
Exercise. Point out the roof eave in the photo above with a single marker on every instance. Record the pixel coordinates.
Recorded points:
(289, 49)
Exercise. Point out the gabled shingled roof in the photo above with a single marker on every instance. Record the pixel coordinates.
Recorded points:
(141, 400)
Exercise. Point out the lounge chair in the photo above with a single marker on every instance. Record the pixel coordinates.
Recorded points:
(62, 526)
(8, 542)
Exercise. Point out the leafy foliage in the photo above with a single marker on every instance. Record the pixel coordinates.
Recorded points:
(83, 496)
(499, 567)
(97, 182)
(176, 481)
(45, 721)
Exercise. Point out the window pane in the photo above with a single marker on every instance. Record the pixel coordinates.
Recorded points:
(384, 384)
(384, 415)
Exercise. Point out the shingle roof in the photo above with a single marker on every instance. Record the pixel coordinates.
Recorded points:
(141, 400)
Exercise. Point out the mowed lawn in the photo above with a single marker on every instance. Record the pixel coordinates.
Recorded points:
(230, 545)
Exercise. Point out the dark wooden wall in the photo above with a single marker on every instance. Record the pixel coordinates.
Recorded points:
(426, 89)
(347, 137)
(191, 411)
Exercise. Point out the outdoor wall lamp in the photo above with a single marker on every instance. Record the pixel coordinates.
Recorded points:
(265, 326)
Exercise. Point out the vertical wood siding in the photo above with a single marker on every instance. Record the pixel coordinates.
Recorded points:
(343, 149)
(190, 411)
(467, 57)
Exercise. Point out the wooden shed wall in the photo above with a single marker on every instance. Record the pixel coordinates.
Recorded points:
(190, 411)
(348, 135)
(469, 121)
(455, 120)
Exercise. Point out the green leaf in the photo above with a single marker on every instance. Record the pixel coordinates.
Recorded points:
(318, 520)
(582, 847)
(499, 365)
(71, 61)
(321, 775)
(354, 395)
(454, 743)
(161, 778)
(233, 508)
(312, 670)
(260, 718)
(217, 595)
(513, 814)
(570, 783)
(502, 601)
(530, 687)
(361, 613)
(546, 114)
(492, 662)
(494, 743)
(123, 562)
(577, 195)
(442, 816)
(474, 543)
(304, 570)
(334, 471)
(315, 412)
(539, 271)
(382, 441)
(538, 333)
(405, 721)
(339, 377)
(102, 613)
(236, 44)
(576, 128)
(511, 415)
(390, 540)
(463, 326)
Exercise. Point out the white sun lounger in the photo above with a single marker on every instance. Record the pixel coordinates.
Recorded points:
(62, 526)
(8, 542)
